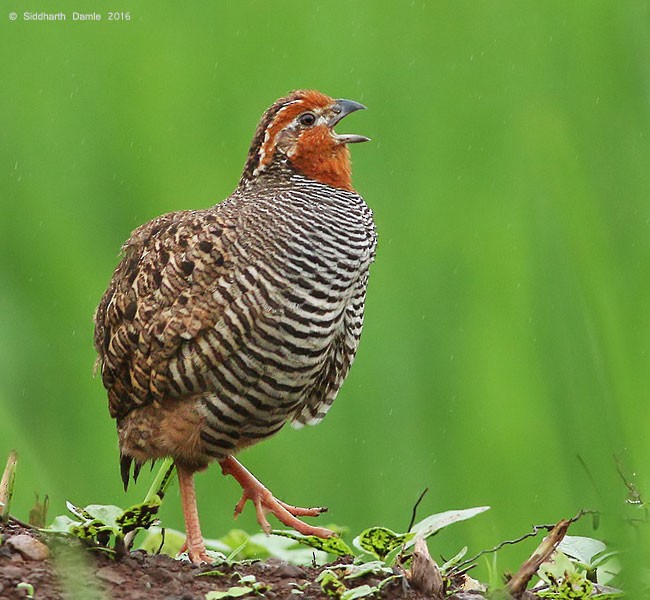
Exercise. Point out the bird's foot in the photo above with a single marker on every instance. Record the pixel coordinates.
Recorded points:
(197, 553)
(265, 502)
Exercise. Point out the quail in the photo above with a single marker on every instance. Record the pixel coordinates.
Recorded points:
(220, 325)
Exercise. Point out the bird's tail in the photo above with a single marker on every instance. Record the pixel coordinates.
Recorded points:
(125, 469)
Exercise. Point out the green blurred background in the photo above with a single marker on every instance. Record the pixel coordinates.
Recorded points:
(507, 327)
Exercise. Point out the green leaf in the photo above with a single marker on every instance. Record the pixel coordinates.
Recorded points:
(581, 548)
(238, 544)
(556, 568)
(93, 532)
(434, 523)
(236, 551)
(380, 541)
(363, 591)
(333, 545)
(391, 557)
(77, 511)
(388, 580)
(28, 587)
(374, 567)
(105, 513)
(607, 570)
(62, 524)
(609, 594)
(213, 573)
(331, 584)
(98, 522)
(572, 586)
(234, 539)
(171, 545)
(454, 560)
(139, 516)
(283, 548)
(234, 592)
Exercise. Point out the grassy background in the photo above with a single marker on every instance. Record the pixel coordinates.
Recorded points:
(507, 325)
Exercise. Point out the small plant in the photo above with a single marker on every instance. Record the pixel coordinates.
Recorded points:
(381, 542)
(235, 547)
(248, 585)
(380, 552)
(28, 587)
(568, 567)
(579, 570)
(111, 528)
(331, 581)
(105, 526)
(590, 555)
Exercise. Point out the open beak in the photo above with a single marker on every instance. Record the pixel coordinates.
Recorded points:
(341, 109)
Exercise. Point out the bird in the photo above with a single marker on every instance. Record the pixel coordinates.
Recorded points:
(221, 325)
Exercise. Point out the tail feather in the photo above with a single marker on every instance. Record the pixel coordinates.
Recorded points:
(136, 471)
(125, 469)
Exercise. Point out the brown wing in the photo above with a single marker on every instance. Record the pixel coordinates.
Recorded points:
(168, 287)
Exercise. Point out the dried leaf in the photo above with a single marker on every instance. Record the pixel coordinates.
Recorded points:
(424, 574)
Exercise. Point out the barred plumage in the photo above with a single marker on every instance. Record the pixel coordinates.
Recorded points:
(222, 324)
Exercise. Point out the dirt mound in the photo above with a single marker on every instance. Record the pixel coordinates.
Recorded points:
(50, 569)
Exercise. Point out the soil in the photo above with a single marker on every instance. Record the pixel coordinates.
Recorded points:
(58, 569)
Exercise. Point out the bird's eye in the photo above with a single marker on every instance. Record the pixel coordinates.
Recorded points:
(307, 119)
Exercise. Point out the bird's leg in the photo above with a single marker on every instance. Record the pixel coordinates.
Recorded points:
(194, 540)
(265, 502)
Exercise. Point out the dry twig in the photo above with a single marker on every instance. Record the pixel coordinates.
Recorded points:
(469, 563)
(517, 585)
(7, 485)
(414, 512)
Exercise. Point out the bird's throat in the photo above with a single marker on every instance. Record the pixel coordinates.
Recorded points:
(332, 168)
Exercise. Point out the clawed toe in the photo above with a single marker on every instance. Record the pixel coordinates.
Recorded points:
(265, 502)
(297, 511)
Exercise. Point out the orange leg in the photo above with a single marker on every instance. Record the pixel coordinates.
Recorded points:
(194, 540)
(265, 502)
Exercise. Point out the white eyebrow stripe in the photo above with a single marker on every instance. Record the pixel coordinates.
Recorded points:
(261, 159)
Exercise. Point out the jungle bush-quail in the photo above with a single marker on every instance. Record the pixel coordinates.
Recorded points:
(220, 325)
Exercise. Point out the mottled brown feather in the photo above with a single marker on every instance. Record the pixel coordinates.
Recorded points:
(146, 314)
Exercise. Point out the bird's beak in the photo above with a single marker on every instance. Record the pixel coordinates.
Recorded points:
(341, 109)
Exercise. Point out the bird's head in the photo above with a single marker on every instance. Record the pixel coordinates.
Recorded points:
(299, 129)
